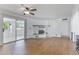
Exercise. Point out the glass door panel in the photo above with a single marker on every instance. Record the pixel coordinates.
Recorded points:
(8, 30)
(20, 29)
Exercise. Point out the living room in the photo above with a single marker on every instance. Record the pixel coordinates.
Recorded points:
(38, 29)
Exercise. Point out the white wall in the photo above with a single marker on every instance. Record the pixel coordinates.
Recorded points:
(1, 30)
(31, 22)
(75, 22)
(57, 27)
(64, 27)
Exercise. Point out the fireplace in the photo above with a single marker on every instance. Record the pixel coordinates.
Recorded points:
(41, 32)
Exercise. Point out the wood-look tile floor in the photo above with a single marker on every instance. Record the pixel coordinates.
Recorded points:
(42, 46)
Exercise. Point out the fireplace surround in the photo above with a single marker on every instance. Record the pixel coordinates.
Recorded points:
(40, 30)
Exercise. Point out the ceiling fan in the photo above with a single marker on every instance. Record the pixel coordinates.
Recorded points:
(28, 10)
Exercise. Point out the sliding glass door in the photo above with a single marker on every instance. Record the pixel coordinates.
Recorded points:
(12, 30)
(20, 29)
(9, 26)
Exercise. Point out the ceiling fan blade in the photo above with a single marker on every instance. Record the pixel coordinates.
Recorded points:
(31, 13)
(27, 8)
(33, 9)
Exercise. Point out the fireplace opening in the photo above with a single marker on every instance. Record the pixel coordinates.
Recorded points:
(41, 31)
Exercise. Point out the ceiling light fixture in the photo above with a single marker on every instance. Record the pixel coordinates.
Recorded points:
(28, 10)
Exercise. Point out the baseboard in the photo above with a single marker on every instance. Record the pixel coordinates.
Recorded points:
(50, 37)
(11, 41)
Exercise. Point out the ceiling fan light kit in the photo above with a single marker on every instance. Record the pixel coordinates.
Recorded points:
(28, 10)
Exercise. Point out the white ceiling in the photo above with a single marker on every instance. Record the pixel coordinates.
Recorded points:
(43, 10)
